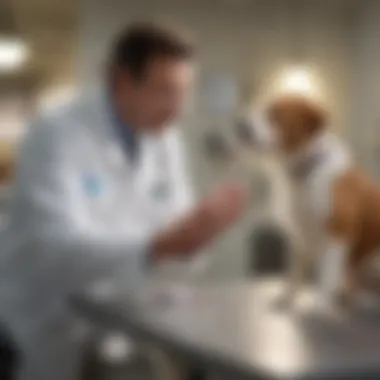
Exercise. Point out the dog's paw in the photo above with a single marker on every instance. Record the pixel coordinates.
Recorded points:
(322, 304)
(346, 302)
(326, 308)
(283, 303)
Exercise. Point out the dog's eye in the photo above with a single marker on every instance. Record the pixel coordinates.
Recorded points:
(244, 132)
(216, 146)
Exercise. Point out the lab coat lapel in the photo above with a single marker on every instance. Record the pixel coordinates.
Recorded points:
(110, 145)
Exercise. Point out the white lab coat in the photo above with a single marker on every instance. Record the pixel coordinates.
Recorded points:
(81, 211)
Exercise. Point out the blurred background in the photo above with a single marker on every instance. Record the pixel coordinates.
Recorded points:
(52, 49)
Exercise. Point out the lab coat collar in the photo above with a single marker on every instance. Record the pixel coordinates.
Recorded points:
(128, 137)
(101, 123)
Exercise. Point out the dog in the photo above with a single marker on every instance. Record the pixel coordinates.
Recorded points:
(336, 206)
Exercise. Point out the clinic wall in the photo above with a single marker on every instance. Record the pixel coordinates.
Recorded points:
(252, 41)
(366, 97)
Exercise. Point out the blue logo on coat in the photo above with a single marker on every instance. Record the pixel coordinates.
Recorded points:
(93, 185)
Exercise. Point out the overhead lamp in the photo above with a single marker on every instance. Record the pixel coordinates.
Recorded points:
(299, 80)
(13, 53)
(303, 80)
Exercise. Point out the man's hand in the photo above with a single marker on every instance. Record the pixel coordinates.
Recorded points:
(201, 225)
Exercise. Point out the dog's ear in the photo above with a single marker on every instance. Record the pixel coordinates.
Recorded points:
(273, 111)
(315, 116)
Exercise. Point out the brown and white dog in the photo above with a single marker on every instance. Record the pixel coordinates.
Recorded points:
(337, 208)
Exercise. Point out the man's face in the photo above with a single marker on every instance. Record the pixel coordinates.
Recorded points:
(159, 95)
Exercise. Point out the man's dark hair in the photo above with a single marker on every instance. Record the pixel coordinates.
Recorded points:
(140, 43)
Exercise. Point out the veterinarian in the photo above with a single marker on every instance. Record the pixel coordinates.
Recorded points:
(101, 190)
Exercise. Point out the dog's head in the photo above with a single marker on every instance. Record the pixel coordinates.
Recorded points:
(287, 123)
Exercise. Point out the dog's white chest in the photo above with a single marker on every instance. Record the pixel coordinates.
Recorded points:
(309, 217)
(312, 191)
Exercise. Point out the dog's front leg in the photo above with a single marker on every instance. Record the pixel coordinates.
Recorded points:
(341, 226)
(296, 269)
(332, 270)
(297, 273)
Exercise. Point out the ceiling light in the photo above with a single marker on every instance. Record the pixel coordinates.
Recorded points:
(298, 80)
(13, 53)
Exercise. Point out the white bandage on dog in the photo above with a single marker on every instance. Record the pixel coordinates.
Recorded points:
(331, 272)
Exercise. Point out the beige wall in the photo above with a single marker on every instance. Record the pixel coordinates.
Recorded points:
(365, 131)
